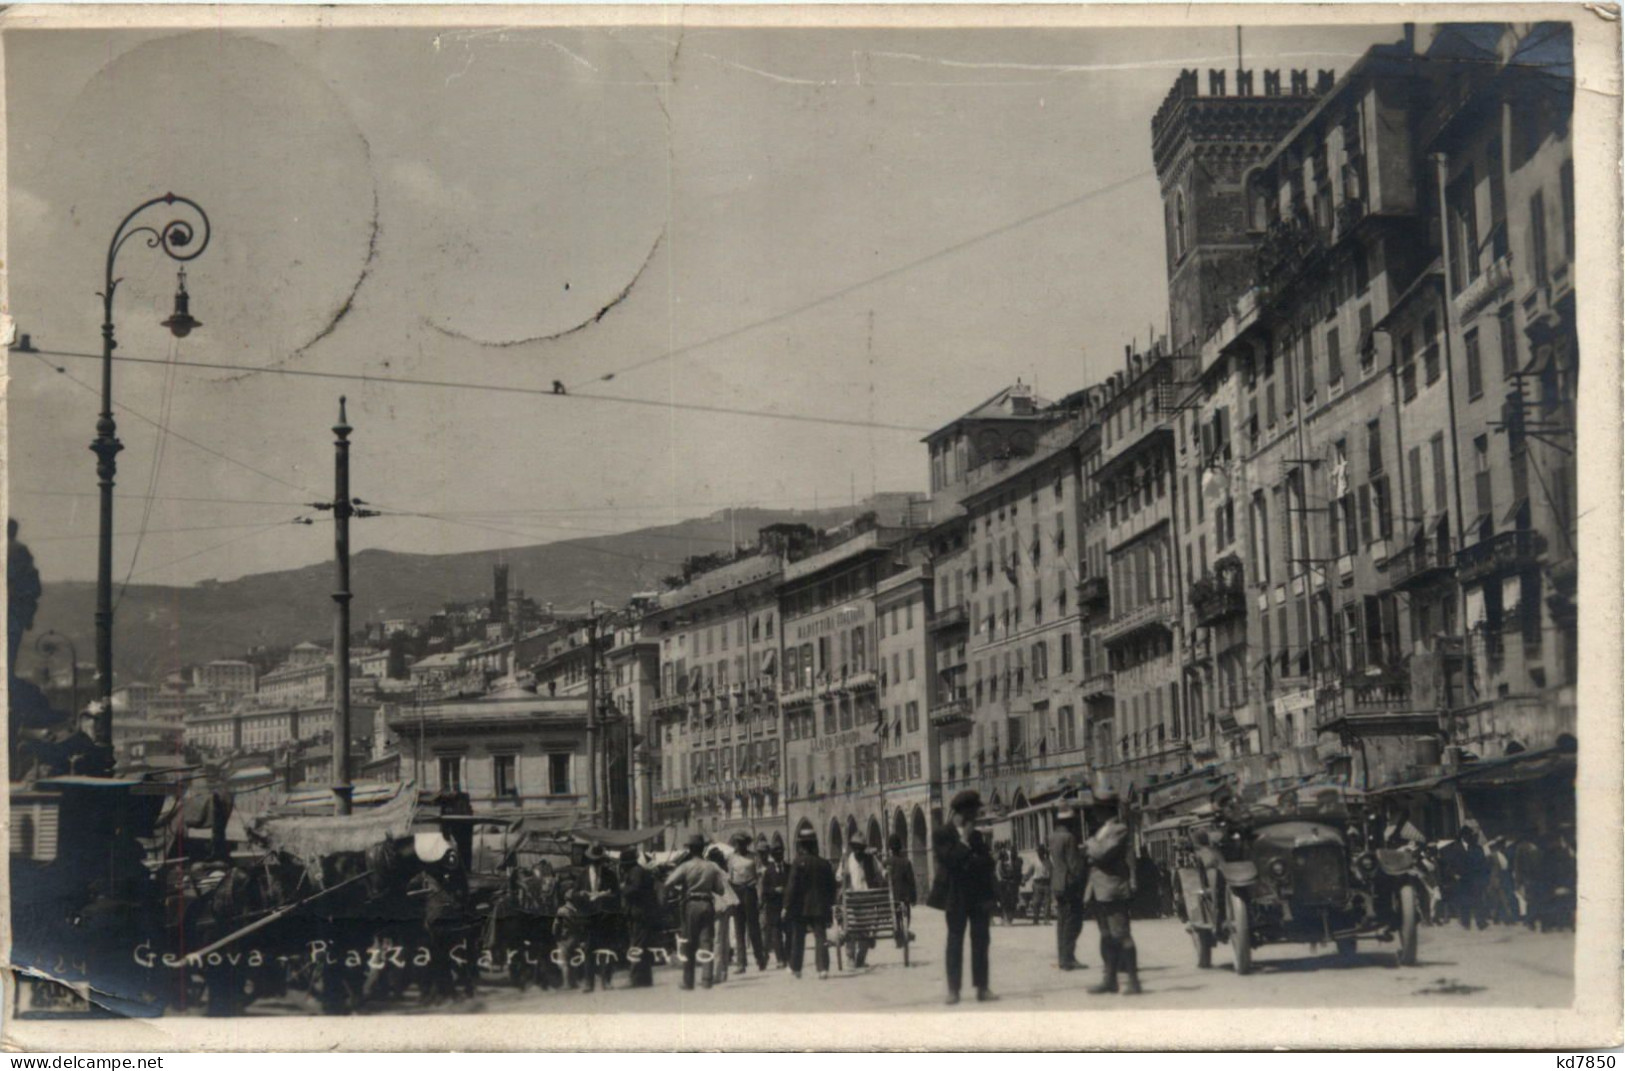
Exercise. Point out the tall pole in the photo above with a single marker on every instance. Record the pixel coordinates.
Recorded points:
(172, 238)
(593, 730)
(342, 511)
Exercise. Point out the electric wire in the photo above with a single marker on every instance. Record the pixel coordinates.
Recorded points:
(40, 356)
(495, 388)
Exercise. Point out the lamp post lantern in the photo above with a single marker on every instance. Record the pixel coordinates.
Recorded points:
(180, 240)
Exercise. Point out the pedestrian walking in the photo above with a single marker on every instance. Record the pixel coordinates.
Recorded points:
(860, 872)
(1110, 889)
(809, 899)
(1039, 892)
(1500, 906)
(1466, 874)
(727, 905)
(775, 874)
(1008, 872)
(595, 894)
(1068, 874)
(700, 881)
(744, 874)
(640, 905)
(905, 891)
(965, 891)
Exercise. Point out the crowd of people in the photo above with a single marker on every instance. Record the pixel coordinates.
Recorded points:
(1509, 879)
(715, 910)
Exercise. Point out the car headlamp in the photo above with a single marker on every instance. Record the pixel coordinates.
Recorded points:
(1278, 869)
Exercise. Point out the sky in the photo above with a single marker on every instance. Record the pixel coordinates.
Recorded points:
(874, 229)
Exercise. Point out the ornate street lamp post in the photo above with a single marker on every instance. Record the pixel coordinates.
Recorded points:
(180, 240)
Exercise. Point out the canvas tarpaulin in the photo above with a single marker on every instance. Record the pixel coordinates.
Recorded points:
(310, 838)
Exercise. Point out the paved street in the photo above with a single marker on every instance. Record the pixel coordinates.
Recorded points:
(1499, 966)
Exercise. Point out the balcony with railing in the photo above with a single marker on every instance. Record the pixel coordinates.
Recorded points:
(1419, 564)
(1097, 686)
(952, 716)
(1215, 599)
(1093, 592)
(1504, 552)
(948, 617)
(797, 693)
(1158, 613)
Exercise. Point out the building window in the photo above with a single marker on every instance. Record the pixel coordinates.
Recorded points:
(558, 773)
(1475, 366)
(1440, 488)
(451, 773)
(1462, 211)
(1509, 342)
(1481, 476)
(1537, 237)
(505, 776)
(912, 715)
(1066, 653)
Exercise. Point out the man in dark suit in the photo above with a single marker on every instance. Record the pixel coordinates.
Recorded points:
(640, 902)
(1110, 889)
(965, 889)
(596, 895)
(775, 876)
(809, 900)
(1068, 875)
(904, 890)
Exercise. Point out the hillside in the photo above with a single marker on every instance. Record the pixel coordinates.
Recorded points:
(159, 627)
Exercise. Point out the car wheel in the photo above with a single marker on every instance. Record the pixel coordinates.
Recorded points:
(1203, 939)
(1241, 935)
(1409, 914)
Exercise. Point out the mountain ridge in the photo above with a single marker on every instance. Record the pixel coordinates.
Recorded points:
(159, 628)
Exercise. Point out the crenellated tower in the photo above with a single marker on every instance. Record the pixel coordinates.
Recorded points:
(1203, 145)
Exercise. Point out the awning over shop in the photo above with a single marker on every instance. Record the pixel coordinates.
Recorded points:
(616, 838)
(1508, 770)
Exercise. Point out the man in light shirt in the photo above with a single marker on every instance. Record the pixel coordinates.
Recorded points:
(860, 871)
(701, 881)
(744, 872)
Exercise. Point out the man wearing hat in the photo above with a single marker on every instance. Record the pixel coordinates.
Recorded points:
(809, 900)
(701, 881)
(1068, 875)
(860, 871)
(1111, 889)
(641, 904)
(744, 874)
(964, 889)
(595, 896)
(775, 875)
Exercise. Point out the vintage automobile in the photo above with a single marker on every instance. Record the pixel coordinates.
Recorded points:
(1296, 868)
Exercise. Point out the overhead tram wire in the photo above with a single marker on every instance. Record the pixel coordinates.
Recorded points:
(258, 531)
(40, 356)
(889, 273)
(155, 472)
(573, 393)
(164, 498)
(173, 531)
(494, 388)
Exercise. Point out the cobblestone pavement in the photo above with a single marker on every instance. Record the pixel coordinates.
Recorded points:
(1456, 968)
